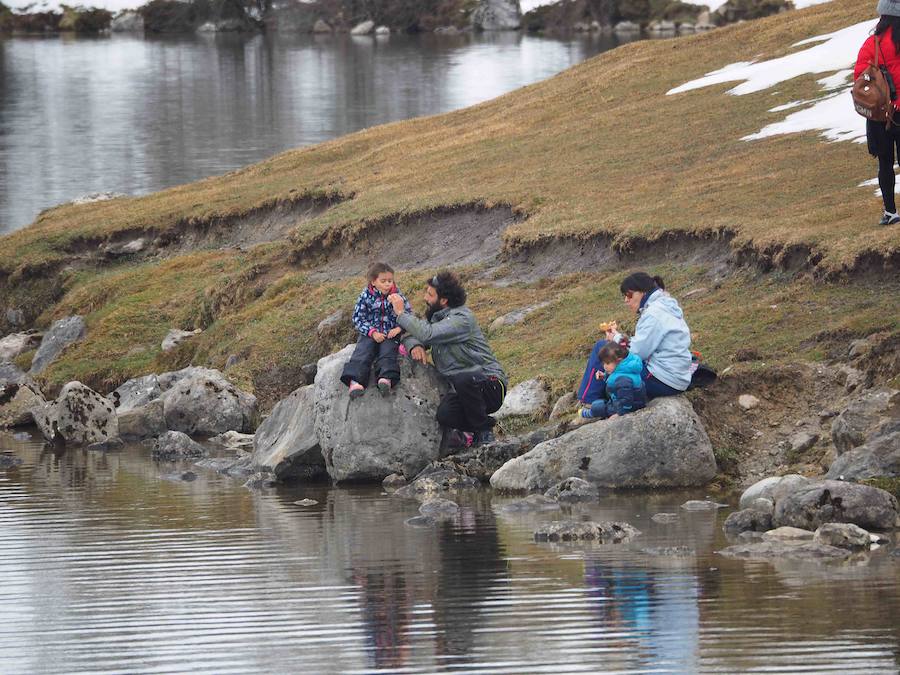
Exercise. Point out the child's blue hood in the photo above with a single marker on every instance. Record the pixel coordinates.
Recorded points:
(630, 365)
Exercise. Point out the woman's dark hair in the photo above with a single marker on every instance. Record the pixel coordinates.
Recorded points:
(892, 22)
(612, 352)
(641, 281)
(448, 286)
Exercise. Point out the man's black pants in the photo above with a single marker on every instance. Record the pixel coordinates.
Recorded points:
(469, 405)
(384, 354)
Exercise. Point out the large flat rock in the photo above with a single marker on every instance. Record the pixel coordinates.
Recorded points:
(664, 445)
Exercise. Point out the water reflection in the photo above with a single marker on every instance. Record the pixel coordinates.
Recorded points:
(107, 567)
(134, 115)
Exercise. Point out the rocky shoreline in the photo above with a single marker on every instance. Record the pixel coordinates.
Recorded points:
(317, 433)
(624, 18)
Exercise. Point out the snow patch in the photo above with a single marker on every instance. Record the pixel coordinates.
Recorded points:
(832, 115)
(834, 51)
(873, 182)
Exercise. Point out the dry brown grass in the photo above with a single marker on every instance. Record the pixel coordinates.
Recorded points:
(599, 148)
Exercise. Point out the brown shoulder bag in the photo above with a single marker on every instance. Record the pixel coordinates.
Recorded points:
(873, 92)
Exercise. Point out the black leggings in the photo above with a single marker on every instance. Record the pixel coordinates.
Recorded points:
(885, 145)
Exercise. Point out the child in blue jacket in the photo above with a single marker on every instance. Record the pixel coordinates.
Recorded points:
(376, 321)
(624, 390)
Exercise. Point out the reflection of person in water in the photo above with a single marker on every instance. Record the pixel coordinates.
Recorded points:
(471, 564)
(386, 611)
(657, 608)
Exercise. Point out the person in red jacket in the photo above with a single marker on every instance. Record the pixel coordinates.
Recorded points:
(882, 140)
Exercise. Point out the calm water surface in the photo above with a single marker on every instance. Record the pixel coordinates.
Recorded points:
(108, 567)
(134, 115)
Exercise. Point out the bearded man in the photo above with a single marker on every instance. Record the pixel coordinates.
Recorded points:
(460, 353)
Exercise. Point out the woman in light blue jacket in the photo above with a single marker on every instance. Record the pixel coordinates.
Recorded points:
(662, 339)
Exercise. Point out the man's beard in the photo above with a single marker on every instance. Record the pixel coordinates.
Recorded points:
(431, 310)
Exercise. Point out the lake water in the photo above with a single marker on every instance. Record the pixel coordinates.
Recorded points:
(134, 115)
(108, 567)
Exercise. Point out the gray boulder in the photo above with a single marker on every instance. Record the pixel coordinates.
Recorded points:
(146, 421)
(78, 416)
(364, 28)
(573, 490)
(569, 530)
(321, 27)
(497, 15)
(789, 534)
(702, 505)
(205, 403)
(17, 343)
(176, 336)
(9, 461)
(374, 436)
(60, 335)
(516, 317)
(234, 440)
(564, 406)
(747, 520)
(332, 323)
(135, 393)
(15, 316)
(286, 443)
(779, 550)
(10, 373)
(531, 503)
(843, 535)
(863, 416)
(127, 22)
(526, 398)
(17, 400)
(832, 501)
(878, 457)
(437, 507)
(174, 445)
(763, 505)
(664, 445)
(772, 488)
(394, 481)
(435, 480)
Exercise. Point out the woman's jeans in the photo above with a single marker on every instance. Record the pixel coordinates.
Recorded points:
(592, 389)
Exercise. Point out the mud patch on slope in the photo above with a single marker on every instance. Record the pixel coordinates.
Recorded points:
(529, 262)
(453, 237)
(267, 223)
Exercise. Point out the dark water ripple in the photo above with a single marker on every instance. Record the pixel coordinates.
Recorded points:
(107, 568)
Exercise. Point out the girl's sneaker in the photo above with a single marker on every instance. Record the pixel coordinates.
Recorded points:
(384, 386)
(889, 218)
(356, 389)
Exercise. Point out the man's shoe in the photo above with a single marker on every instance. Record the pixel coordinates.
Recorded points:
(889, 218)
(483, 438)
(384, 386)
(356, 389)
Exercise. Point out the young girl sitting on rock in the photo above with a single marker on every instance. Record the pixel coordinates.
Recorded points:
(624, 390)
(376, 321)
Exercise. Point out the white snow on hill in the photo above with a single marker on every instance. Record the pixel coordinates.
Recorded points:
(528, 5)
(30, 6)
(832, 114)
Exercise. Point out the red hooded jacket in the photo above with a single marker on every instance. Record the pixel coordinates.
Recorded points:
(888, 57)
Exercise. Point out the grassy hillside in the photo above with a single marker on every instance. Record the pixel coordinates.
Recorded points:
(598, 153)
